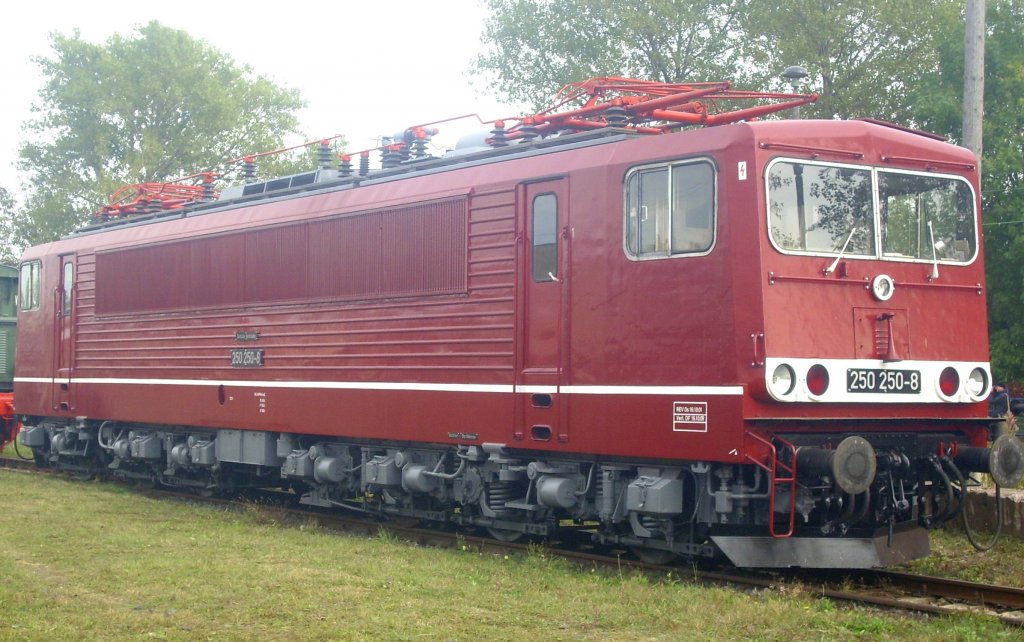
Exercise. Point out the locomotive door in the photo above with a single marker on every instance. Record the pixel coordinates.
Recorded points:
(543, 274)
(64, 330)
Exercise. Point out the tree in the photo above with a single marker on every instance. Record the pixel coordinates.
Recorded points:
(537, 46)
(863, 56)
(7, 205)
(151, 106)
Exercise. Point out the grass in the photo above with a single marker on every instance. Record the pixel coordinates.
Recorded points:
(952, 556)
(95, 561)
(8, 451)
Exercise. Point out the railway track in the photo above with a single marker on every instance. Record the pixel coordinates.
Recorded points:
(878, 588)
(11, 463)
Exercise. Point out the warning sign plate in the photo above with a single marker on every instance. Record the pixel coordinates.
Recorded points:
(690, 416)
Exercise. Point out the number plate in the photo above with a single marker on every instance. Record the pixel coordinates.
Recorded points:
(900, 382)
(247, 358)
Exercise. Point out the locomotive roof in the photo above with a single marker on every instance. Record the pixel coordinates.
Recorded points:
(778, 134)
(419, 167)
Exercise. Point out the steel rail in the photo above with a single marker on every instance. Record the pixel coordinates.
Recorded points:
(993, 595)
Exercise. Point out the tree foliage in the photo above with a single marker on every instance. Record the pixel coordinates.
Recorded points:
(154, 105)
(863, 57)
(7, 205)
(536, 46)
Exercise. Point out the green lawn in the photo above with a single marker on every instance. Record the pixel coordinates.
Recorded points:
(95, 561)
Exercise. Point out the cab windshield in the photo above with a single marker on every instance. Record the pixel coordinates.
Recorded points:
(826, 209)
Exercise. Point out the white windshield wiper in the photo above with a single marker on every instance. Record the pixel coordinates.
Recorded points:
(832, 268)
(935, 258)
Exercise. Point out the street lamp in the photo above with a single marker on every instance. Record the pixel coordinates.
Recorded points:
(794, 74)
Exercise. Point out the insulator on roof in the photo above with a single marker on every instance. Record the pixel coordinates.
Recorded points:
(364, 163)
(392, 154)
(419, 147)
(326, 161)
(249, 170)
(209, 193)
(616, 116)
(346, 165)
(528, 130)
(499, 135)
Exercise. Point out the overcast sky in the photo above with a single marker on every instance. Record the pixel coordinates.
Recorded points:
(365, 68)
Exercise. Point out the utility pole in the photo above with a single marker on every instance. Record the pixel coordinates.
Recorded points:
(974, 75)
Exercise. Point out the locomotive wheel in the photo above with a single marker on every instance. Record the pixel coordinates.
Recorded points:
(654, 556)
(503, 535)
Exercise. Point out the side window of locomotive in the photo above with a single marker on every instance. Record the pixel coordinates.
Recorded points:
(670, 210)
(821, 208)
(544, 248)
(69, 281)
(693, 206)
(29, 282)
(8, 295)
(927, 217)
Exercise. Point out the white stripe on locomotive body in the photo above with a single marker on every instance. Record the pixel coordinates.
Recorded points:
(48, 380)
(836, 393)
(424, 387)
(838, 371)
(652, 390)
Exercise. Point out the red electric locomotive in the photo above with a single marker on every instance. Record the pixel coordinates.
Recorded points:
(699, 333)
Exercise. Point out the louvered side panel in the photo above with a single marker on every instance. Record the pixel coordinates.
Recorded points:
(275, 264)
(433, 300)
(217, 271)
(344, 257)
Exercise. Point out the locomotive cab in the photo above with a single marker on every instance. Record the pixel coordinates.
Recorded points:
(870, 360)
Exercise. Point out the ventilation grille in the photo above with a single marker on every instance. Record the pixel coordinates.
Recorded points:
(399, 252)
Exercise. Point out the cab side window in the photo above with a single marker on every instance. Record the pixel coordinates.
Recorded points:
(670, 210)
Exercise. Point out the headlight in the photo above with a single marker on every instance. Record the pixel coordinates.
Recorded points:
(977, 384)
(782, 381)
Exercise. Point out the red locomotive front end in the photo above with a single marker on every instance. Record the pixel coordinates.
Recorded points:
(764, 340)
(869, 347)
